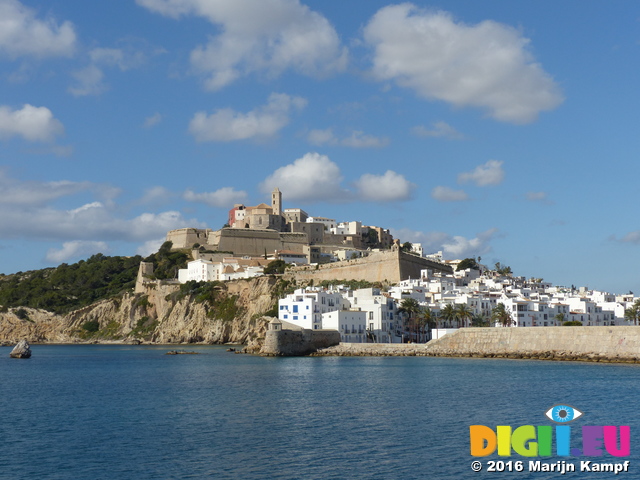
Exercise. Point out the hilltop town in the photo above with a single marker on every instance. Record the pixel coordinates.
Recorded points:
(411, 296)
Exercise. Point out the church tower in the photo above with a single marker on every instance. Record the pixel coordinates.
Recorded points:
(276, 201)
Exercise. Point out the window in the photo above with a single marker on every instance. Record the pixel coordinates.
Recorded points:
(295, 309)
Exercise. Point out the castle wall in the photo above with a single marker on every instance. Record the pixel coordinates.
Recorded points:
(186, 237)
(390, 266)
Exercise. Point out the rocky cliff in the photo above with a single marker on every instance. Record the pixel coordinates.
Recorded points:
(224, 312)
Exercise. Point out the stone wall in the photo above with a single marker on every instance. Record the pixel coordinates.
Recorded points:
(392, 266)
(562, 343)
(297, 342)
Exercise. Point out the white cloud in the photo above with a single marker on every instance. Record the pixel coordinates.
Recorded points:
(268, 36)
(438, 129)
(132, 53)
(227, 125)
(21, 33)
(313, 177)
(446, 194)
(490, 173)
(152, 121)
(75, 249)
(16, 194)
(30, 214)
(88, 82)
(150, 246)
(222, 198)
(453, 246)
(357, 139)
(389, 187)
(487, 65)
(156, 196)
(36, 124)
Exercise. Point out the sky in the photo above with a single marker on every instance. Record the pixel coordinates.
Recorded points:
(502, 130)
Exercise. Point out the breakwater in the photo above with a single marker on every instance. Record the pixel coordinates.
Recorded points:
(594, 344)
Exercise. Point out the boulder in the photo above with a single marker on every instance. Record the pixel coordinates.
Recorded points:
(21, 350)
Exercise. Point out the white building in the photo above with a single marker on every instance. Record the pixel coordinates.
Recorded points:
(305, 307)
(351, 324)
(199, 271)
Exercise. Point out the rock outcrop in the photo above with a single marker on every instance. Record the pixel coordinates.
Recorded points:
(159, 314)
(21, 350)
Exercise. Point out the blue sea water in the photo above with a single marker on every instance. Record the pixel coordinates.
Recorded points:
(132, 412)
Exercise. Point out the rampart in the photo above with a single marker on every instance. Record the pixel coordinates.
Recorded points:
(390, 266)
(593, 344)
(245, 241)
(618, 344)
(288, 343)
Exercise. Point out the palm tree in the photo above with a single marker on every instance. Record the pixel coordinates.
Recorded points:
(560, 318)
(631, 314)
(478, 320)
(411, 307)
(463, 312)
(427, 319)
(502, 315)
(448, 313)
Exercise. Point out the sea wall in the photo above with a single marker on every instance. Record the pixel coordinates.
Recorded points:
(288, 343)
(595, 344)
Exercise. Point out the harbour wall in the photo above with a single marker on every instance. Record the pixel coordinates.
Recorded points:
(287, 343)
(595, 344)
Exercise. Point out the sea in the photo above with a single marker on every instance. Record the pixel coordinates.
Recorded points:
(134, 412)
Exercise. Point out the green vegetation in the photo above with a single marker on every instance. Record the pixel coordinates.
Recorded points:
(573, 323)
(351, 284)
(68, 287)
(501, 314)
(166, 262)
(214, 295)
(275, 267)
(503, 270)
(91, 326)
(144, 328)
(468, 263)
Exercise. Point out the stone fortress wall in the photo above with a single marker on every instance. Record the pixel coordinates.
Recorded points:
(595, 344)
(390, 266)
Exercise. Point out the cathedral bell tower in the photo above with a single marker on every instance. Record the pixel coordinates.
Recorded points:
(276, 201)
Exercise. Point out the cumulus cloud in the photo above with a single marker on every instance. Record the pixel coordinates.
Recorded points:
(75, 249)
(227, 125)
(268, 36)
(487, 65)
(150, 246)
(313, 177)
(390, 187)
(30, 214)
(490, 173)
(22, 33)
(453, 246)
(36, 124)
(438, 129)
(223, 198)
(357, 139)
(446, 194)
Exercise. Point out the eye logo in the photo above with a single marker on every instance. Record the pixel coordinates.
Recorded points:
(563, 413)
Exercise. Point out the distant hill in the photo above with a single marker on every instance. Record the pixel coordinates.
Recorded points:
(68, 287)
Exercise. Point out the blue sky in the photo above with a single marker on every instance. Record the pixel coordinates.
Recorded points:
(505, 130)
